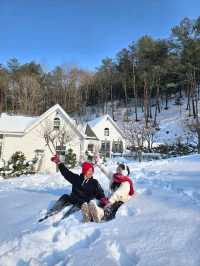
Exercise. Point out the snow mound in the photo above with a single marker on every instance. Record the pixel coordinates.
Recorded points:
(159, 226)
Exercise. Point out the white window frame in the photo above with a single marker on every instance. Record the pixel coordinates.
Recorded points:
(56, 123)
(106, 132)
(1, 145)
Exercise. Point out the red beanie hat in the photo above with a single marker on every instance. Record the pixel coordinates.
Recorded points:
(86, 166)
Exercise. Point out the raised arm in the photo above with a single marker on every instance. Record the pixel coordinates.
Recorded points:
(106, 171)
(67, 174)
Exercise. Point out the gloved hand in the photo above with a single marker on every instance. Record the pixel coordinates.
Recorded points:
(55, 159)
(104, 201)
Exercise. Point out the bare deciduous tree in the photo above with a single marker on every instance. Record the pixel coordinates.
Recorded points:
(56, 139)
(28, 94)
(140, 136)
(149, 135)
(135, 135)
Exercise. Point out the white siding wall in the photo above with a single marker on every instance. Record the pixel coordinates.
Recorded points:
(10, 145)
(114, 134)
(33, 140)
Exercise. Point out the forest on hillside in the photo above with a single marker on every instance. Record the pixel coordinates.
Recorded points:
(148, 70)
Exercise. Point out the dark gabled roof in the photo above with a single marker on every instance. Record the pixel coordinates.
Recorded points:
(90, 133)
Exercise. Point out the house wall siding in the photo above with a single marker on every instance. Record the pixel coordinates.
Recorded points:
(33, 140)
(114, 134)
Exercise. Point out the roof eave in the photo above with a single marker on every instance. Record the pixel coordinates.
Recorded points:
(12, 132)
(51, 110)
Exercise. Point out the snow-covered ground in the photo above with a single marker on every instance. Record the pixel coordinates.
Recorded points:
(173, 125)
(159, 226)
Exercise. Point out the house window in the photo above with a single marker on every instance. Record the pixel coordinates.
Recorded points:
(1, 144)
(117, 146)
(91, 147)
(105, 148)
(39, 153)
(114, 146)
(106, 132)
(56, 124)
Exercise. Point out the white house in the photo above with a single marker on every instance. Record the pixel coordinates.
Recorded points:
(110, 137)
(26, 134)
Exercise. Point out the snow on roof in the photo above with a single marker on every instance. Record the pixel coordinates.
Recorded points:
(15, 123)
(97, 120)
(20, 124)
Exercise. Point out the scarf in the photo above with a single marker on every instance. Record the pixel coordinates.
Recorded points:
(117, 178)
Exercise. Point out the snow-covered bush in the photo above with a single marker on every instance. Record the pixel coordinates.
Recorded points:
(17, 165)
(174, 149)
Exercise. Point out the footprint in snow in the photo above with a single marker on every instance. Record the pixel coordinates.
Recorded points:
(119, 255)
(127, 211)
(148, 192)
(76, 239)
(73, 241)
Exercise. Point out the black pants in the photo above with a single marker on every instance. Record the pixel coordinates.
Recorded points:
(110, 212)
(64, 201)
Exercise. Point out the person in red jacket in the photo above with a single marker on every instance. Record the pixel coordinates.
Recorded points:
(84, 188)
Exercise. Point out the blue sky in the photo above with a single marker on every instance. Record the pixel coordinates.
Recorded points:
(83, 32)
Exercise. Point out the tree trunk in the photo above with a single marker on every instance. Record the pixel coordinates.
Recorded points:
(166, 100)
(135, 94)
(111, 98)
(126, 99)
(146, 103)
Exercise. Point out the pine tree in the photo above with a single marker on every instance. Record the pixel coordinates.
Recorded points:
(17, 165)
(70, 158)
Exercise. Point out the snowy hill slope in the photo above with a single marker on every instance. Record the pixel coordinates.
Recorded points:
(159, 226)
(172, 122)
(173, 125)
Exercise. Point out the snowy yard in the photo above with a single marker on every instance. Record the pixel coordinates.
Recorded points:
(159, 226)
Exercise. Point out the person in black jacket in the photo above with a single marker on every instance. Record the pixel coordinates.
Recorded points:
(84, 188)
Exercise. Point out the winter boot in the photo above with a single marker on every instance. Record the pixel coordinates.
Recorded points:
(85, 212)
(96, 212)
